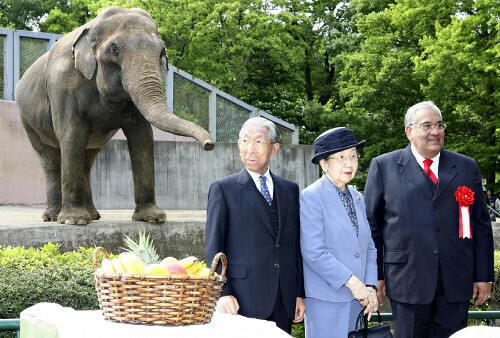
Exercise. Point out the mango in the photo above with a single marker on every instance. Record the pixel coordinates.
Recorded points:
(156, 269)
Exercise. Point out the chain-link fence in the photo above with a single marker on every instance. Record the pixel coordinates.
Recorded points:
(29, 51)
(190, 98)
(191, 101)
(230, 118)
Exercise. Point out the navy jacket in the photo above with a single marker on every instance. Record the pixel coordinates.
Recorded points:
(239, 225)
(414, 227)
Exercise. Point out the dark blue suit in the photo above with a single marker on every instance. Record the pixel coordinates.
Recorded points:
(261, 256)
(415, 228)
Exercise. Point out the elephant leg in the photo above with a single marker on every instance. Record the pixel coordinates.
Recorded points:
(50, 159)
(141, 148)
(73, 210)
(90, 155)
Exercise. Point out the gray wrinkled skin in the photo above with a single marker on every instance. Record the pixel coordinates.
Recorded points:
(105, 75)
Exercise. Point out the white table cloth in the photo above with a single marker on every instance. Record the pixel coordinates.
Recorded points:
(50, 320)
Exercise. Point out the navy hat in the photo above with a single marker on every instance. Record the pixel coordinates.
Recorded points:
(332, 141)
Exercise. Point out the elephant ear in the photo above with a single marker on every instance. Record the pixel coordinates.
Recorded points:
(84, 55)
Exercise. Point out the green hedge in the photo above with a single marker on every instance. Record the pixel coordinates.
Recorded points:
(31, 276)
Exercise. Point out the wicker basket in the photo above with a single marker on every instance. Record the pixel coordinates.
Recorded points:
(159, 299)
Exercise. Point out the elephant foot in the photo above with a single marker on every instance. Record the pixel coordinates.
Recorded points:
(94, 214)
(50, 214)
(74, 215)
(150, 213)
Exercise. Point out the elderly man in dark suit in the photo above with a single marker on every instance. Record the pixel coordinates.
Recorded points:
(253, 217)
(430, 225)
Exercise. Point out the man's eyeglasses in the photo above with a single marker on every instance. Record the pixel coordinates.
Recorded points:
(259, 143)
(343, 158)
(428, 126)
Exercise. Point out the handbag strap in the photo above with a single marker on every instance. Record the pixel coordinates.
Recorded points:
(362, 321)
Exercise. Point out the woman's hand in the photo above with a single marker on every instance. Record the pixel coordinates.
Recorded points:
(366, 296)
(373, 303)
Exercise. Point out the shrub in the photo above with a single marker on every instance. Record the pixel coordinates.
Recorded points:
(31, 276)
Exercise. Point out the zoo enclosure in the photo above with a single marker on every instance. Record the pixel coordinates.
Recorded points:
(190, 98)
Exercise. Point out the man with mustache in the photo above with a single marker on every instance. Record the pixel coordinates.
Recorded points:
(431, 228)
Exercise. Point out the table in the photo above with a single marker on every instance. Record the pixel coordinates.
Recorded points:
(50, 320)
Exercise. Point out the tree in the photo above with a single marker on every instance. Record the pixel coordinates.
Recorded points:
(378, 82)
(63, 19)
(461, 65)
(22, 14)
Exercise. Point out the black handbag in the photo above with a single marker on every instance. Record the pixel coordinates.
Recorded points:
(362, 330)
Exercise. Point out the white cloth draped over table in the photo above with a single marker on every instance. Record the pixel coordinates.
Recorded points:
(49, 320)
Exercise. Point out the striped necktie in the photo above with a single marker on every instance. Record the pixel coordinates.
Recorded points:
(264, 190)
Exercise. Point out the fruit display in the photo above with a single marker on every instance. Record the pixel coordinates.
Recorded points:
(141, 258)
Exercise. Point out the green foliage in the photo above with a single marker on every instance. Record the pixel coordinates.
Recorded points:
(462, 68)
(31, 276)
(298, 330)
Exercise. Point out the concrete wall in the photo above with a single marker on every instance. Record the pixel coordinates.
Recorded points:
(21, 177)
(183, 171)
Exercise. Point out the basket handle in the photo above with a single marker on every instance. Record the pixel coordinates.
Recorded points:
(215, 261)
(96, 251)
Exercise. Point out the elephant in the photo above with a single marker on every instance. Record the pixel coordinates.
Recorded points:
(105, 75)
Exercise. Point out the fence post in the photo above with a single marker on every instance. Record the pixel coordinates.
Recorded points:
(212, 114)
(169, 87)
(9, 64)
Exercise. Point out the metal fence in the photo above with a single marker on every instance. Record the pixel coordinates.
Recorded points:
(190, 98)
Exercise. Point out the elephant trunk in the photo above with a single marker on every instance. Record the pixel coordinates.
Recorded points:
(147, 94)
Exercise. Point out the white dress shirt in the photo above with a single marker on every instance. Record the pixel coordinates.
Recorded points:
(269, 180)
(420, 160)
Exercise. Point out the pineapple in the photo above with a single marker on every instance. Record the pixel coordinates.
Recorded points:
(144, 249)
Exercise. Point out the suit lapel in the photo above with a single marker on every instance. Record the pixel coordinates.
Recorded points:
(254, 198)
(447, 172)
(411, 170)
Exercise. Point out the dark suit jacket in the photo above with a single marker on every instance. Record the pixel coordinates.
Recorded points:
(239, 224)
(414, 228)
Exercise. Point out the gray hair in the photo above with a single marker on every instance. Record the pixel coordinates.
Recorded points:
(412, 111)
(274, 134)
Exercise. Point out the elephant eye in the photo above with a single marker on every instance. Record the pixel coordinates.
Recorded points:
(114, 49)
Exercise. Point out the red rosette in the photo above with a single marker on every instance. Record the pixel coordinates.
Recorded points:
(464, 196)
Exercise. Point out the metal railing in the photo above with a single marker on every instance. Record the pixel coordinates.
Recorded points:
(190, 98)
(493, 210)
(10, 325)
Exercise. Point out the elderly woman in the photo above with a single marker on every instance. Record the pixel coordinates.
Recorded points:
(340, 269)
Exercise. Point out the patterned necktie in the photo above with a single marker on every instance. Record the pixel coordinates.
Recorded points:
(264, 190)
(428, 171)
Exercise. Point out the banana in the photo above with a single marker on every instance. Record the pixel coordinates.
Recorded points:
(117, 264)
(205, 272)
(191, 264)
(128, 263)
(106, 266)
(138, 262)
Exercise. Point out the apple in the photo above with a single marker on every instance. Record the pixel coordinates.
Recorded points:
(176, 269)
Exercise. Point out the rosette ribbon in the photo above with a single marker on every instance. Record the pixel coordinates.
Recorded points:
(465, 197)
